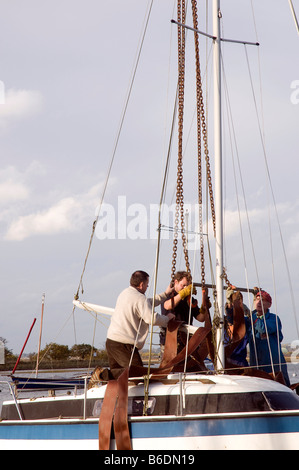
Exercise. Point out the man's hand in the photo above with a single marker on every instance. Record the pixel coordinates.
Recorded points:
(186, 292)
(169, 290)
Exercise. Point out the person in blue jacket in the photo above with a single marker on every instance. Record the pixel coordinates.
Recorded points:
(263, 322)
(239, 355)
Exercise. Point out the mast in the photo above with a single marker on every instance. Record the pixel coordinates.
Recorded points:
(219, 308)
(218, 181)
(19, 358)
(294, 15)
(40, 334)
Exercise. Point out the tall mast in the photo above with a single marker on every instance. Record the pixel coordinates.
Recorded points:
(40, 334)
(220, 358)
(218, 180)
(294, 15)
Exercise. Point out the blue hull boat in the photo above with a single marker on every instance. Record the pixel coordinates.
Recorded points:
(28, 383)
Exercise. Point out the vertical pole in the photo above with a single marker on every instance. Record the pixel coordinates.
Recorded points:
(19, 358)
(40, 334)
(294, 15)
(218, 181)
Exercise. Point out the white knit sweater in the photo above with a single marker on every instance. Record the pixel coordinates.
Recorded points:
(132, 314)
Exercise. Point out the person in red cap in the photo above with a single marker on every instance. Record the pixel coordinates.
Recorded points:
(265, 324)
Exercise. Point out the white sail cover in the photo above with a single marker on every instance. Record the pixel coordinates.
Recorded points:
(100, 309)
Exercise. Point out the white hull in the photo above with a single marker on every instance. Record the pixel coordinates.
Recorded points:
(272, 428)
(253, 442)
(273, 441)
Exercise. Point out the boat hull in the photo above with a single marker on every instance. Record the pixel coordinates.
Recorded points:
(26, 383)
(220, 412)
(279, 431)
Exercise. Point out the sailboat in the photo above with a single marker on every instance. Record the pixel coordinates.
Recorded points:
(37, 383)
(169, 407)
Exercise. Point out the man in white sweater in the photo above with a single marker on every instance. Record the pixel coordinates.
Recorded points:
(130, 325)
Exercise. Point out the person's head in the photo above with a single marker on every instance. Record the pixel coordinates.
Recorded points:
(140, 280)
(181, 279)
(263, 301)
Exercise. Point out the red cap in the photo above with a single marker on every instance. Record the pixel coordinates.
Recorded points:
(265, 296)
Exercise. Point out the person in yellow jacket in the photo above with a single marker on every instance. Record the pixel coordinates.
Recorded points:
(178, 302)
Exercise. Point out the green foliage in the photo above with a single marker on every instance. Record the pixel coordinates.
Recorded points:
(82, 351)
(8, 353)
(55, 352)
(102, 356)
(60, 352)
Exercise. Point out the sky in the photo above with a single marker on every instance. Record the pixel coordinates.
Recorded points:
(66, 68)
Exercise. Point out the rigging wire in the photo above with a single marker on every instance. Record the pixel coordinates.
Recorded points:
(246, 209)
(259, 71)
(234, 145)
(80, 285)
(294, 15)
(230, 119)
(115, 147)
(162, 198)
(189, 315)
(269, 209)
(179, 212)
(273, 198)
(237, 196)
(111, 164)
(274, 285)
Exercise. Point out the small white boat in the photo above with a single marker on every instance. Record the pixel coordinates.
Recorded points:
(173, 410)
(214, 412)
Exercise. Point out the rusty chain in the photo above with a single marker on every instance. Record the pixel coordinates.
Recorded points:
(201, 135)
(225, 277)
(201, 115)
(199, 112)
(181, 14)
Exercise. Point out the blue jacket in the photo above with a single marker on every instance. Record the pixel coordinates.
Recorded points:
(262, 346)
(239, 355)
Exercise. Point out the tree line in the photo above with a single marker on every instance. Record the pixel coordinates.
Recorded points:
(57, 352)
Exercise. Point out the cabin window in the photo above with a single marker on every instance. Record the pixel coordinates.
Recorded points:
(226, 403)
(241, 402)
(210, 403)
(135, 407)
(282, 400)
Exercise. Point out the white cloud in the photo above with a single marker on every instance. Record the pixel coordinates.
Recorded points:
(12, 191)
(27, 210)
(234, 218)
(57, 218)
(67, 215)
(294, 245)
(14, 185)
(20, 104)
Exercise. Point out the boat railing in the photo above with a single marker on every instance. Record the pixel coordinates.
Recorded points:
(38, 384)
(11, 388)
(85, 397)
